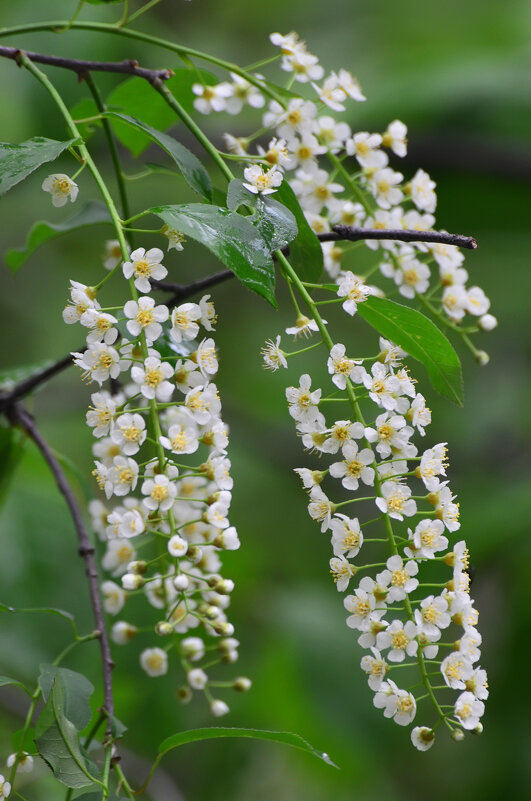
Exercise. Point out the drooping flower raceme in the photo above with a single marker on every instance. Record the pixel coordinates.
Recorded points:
(162, 409)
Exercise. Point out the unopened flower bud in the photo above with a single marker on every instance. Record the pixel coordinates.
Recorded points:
(195, 554)
(137, 567)
(224, 587)
(197, 679)
(458, 735)
(163, 628)
(242, 684)
(132, 581)
(184, 694)
(181, 582)
(227, 539)
(487, 322)
(482, 357)
(122, 632)
(192, 648)
(478, 729)
(218, 708)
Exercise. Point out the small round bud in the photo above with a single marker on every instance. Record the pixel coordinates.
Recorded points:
(192, 648)
(228, 657)
(213, 580)
(25, 762)
(163, 628)
(487, 322)
(184, 694)
(132, 581)
(478, 729)
(242, 684)
(482, 357)
(177, 546)
(181, 582)
(227, 539)
(458, 735)
(224, 587)
(122, 632)
(218, 708)
(226, 629)
(228, 644)
(212, 612)
(195, 554)
(137, 567)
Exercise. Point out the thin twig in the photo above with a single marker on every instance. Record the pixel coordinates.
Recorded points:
(26, 386)
(82, 67)
(350, 234)
(19, 416)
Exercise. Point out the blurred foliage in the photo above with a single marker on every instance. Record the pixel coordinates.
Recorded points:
(458, 74)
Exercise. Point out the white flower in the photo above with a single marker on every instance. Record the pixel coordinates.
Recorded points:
(24, 765)
(419, 414)
(99, 362)
(350, 85)
(456, 670)
(477, 684)
(347, 537)
(145, 265)
(5, 786)
(400, 639)
(446, 509)
(391, 434)
(183, 320)
(396, 501)
(117, 556)
(154, 661)
(341, 368)
(122, 632)
(203, 404)
(304, 150)
(433, 463)
(175, 241)
(331, 132)
(396, 703)
(468, 710)
(113, 597)
(395, 138)
(354, 468)
(354, 290)
(362, 606)
(276, 153)
(192, 648)
(376, 667)
(342, 571)
(100, 414)
(227, 539)
(81, 298)
(177, 546)
(331, 93)
(211, 98)
(320, 508)
(478, 303)
(384, 185)
(383, 386)
(208, 317)
(260, 182)
(160, 493)
(339, 434)
(304, 326)
(152, 379)
(197, 679)
(243, 92)
(181, 438)
(365, 147)
(145, 316)
(122, 477)
(314, 188)
(206, 358)
(112, 255)
(432, 616)
(421, 188)
(412, 278)
(61, 188)
(455, 301)
(422, 737)
(273, 356)
(126, 522)
(129, 433)
(399, 577)
(427, 539)
(302, 401)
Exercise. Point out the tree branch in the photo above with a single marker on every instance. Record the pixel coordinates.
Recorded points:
(81, 67)
(347, 233)
(19, 416)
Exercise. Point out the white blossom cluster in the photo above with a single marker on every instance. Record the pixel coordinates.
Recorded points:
(430, 627)
(165, 524)
(345, 177)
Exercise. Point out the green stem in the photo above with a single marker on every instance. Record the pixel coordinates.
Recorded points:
(352, 185)
(143, 9)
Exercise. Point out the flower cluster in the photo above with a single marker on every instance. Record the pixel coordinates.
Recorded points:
(345, 177)
(160, 409)
(431, 627)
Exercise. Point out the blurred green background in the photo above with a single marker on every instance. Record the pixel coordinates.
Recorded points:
(459, 75)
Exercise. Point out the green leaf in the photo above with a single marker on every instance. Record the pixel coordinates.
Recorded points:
(421, 338)
(12, 446)
(118, 729)
(193, 171)
(275, 222)
(24, 741)
(76, 691)
(47, 610)
(138, 99)
(84, 108)
(231, 237)
(284, 737)
(4, 680)
(19, 161)
(305, 252)
(57, 741)
(92, 214)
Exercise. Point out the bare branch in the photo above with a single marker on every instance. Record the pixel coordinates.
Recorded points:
(19, 416)
(81, 67)
(22, 389)
(347, 233)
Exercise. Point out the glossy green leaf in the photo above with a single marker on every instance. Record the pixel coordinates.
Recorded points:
(231, 237)
(138, 99)
(12, 446)
(421, 338)
(305, 252)
(40, 610)
(19, 161)
(275, 222)
(5, 680)
(193, 171)
(118, 729)
(92, 214)
(57, 741)
(76, 692)
(213, 732)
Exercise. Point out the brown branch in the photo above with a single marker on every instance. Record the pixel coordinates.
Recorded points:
(19, 416)
(81, 67)
(22, 389)
(347, 233)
